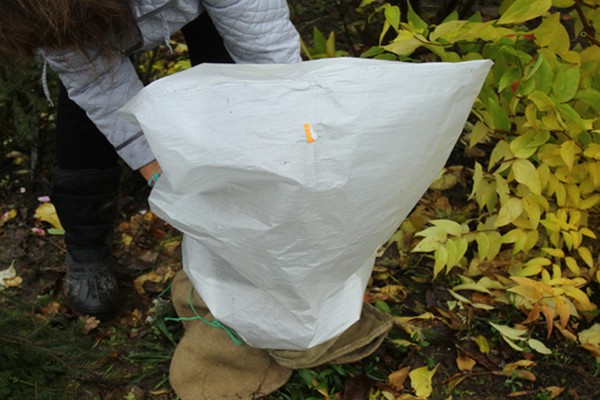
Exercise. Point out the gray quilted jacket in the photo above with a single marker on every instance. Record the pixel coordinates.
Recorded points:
(254, 31)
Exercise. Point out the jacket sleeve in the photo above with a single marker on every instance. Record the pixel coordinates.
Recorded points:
(256, 31)
(102, 86)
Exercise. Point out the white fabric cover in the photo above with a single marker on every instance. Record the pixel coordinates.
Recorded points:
(280, 232)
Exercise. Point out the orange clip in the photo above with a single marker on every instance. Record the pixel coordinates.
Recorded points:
(308, 132)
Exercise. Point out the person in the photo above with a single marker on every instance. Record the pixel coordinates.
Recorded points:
(88, 43)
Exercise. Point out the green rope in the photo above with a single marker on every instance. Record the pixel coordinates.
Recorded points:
(235, 338)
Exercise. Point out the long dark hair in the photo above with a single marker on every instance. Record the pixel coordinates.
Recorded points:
(26, 25)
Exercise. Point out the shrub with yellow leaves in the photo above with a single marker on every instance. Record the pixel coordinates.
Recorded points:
(537, 191)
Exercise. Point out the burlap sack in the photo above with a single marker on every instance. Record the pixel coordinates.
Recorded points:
(357, 342)
(207, 364)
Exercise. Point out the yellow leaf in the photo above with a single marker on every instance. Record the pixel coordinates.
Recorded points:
(526, 174)
(524, 10)
(509, 212)
(420, 380)
(441, 258)
(590, 202)
(587, 232)
(47, 213)
(538, 346)
(483, 244)
(527, 270)
(580, 297)
(483, 344)
(404, 44)
(450, 227)
(507, 331)
(590, 335)
(554, 252)
(551, 33)
(586, 256)
(330, 45)
(479, 132)
(8, 215)
(533, 210)
(568, 152)
(572, 265)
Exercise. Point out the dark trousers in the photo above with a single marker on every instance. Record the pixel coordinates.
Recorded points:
(81, 146)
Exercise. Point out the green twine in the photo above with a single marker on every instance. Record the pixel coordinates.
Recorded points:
(235, 338)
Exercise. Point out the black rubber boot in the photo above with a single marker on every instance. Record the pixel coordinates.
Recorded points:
(86, 204)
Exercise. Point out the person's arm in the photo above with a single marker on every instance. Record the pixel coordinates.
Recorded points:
(102, 86)
(256, 31)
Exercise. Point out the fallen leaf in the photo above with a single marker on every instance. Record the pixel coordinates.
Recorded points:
(9, 278)
(420, 380)
(397, 378)
(510, 367)
(455, 380)
(554, 391)
(482, 343)
(538, 346)
(90, 323)
(7, 216)
(52, 308)
(463, 361)
(47, 213)
(161, 275)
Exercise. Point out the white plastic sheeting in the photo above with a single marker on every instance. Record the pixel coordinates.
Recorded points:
(285, 179)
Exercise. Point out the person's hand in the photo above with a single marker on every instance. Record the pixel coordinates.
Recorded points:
(149, 169)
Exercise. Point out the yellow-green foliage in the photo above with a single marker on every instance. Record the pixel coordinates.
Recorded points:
(537, 192)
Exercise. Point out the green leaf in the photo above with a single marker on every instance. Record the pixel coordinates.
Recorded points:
(499, 116)
(415, 20)
(392, 16)
(590, 97)
(563, 3)
(319, 42)
(511, 76)
(527, 144)
(372, 52)
(524, 10)
(383, 306)
(566, 83)
(543, 76)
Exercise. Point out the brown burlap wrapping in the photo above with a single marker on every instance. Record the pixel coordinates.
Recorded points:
(207, 364)
(357, 342)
